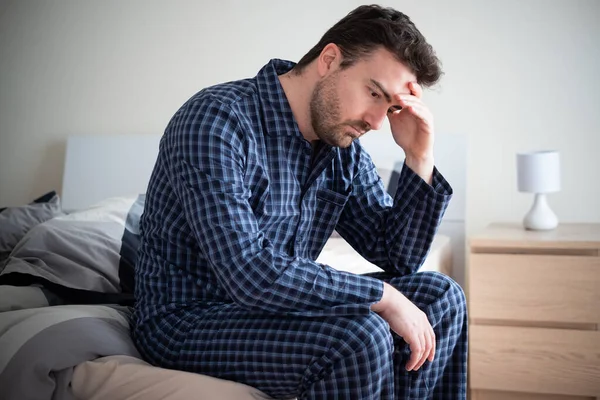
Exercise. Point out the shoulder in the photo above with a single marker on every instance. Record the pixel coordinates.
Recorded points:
(217, 107)
(227, 95)
(214, 120)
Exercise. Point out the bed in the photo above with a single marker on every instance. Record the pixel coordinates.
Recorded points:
(66, 278)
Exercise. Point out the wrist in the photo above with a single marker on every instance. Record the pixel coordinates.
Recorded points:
(422, 166)
(382, 304)
(420, 159)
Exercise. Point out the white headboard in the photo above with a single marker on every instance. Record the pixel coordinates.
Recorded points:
(99, 167)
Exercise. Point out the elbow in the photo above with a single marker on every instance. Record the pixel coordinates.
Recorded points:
(248, 293)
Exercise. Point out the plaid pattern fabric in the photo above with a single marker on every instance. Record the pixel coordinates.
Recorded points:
(343, 357)
(239, 206)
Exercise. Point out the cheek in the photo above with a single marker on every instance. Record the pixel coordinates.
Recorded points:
(351, 105)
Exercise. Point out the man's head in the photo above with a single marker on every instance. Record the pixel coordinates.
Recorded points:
(362, 61)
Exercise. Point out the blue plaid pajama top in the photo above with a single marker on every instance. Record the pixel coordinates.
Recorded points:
(239, 206)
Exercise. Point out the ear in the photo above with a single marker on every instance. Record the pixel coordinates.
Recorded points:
(329, 60)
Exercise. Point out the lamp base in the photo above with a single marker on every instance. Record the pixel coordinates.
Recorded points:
(540, 217)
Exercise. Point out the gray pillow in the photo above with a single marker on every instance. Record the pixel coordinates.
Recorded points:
(15, 222)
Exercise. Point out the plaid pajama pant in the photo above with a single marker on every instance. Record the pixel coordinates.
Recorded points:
(341, 357)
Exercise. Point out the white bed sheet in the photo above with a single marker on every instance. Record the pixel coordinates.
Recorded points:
(338, 254)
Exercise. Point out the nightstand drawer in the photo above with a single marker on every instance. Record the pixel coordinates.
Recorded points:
(562, 361)
(535, 288)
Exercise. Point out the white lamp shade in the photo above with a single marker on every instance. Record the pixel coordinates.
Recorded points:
(538, 172)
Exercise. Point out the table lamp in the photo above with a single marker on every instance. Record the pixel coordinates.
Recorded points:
(539, 172)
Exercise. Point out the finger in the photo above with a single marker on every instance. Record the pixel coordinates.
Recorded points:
(415, 89)
(419, 111)
(432, 354)
(394, 110)
(403, 101)
(426, 350)
(406, 101)
(408, 98)
(415, 353)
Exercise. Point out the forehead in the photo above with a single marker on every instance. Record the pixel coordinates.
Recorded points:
(384, 68)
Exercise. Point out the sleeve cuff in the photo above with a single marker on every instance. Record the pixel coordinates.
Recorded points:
(359, 289)
(374, 289)
(413, 185)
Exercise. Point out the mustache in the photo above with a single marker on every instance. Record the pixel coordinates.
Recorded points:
(361, 126)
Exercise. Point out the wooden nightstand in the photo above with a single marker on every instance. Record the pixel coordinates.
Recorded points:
(534, 313)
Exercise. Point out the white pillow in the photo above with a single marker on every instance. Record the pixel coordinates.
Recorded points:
(114, 209)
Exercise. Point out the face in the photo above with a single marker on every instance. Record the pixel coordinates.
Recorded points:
(346, 104)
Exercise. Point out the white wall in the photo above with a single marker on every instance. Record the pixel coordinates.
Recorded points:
(520, 75)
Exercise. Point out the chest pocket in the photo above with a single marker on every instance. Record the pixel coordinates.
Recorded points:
(329, 207)
(333, 197)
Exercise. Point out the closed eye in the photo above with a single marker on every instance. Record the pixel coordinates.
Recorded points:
(373, 92)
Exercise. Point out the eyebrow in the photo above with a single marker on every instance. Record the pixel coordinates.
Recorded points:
(385, 93)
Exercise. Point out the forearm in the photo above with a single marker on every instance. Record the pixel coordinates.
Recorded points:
(262, 279)
(417, 212)
(396, 235)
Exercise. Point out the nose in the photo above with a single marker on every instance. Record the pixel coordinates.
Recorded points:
(375, 117)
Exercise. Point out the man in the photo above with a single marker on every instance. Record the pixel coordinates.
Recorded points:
(251, 179)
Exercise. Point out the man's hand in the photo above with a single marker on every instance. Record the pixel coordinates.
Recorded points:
(409, 322)
(412, 128)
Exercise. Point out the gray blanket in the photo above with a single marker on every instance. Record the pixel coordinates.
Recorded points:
(65, 296)
(40, 347)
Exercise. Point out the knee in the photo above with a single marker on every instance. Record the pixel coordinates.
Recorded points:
(450, 290)
(370, 335)
(359, 356)
(456, 293)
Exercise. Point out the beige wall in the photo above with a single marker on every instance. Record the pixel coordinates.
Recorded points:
(520, 75)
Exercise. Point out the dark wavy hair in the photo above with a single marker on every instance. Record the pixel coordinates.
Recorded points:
(370, 27)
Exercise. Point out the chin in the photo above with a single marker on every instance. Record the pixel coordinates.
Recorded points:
(345, 141)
